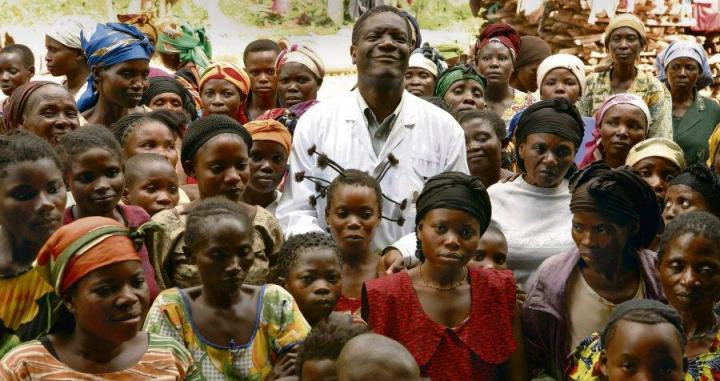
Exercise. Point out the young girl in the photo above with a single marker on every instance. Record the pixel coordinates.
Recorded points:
(310, 268)
(492, 250)
(353, 213)
(440, 310)
(150, 183)
(215, 152)
(153, 132)
(32, 200)
(93, 265)
(93, 169)
(233, 330)
(268, 163)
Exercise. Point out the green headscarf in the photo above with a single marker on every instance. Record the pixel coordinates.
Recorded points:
(191, 44)
(454, 74)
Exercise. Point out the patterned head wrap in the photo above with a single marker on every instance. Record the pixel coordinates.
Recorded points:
(85, 245)
(228, 72)
(15, 105)
(713, 143)
(302, 55)
(142, 21)
(685, 49)
(270, 129)
(107, 45)
(191, 44)
(620, 194)
(454, 74)
(67, 31)
(428, 58)
(502, 33)
(562, 61)
(656, 147)
(622, 98)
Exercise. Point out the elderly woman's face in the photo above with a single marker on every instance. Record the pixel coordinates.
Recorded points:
(296, 83)
(560, 83)
(449, 237)
(682, 74)
(419, 82)
(547, 158)
(622, 126)
(495, 62)
(124, 83)
(50, 113)
(690, 273)
(465, 95)
(111, 302)
(624, 46)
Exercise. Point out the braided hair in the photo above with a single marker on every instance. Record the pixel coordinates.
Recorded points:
(208, 210)
(354, 177)
(297, 244)
(125, 126)
(643, 311)
(79, 141)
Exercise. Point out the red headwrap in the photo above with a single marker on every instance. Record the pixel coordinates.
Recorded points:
(15, 104)
(502, 33)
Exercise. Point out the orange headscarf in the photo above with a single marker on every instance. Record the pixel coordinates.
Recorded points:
(82, 246)
(271, 130)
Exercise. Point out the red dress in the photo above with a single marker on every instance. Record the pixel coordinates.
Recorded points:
(345, 304)
(471, 351)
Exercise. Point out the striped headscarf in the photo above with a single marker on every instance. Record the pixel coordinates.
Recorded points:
(302, 55)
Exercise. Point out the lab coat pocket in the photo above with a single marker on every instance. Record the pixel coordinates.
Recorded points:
(425, 167)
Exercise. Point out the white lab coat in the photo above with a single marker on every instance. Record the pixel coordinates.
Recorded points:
(425, 139)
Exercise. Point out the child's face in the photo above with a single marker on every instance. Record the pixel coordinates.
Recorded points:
(353, 217)
(13, 73)
(261, 68)
(96, 181)
(221, 167)
(152, 137)
(32, 199)
(560, 83)
(315, 283)
(690, 274)
(225, 254)
(639, 351)
(491, 252)
(155, 188)
(319, 370)
(268, 161)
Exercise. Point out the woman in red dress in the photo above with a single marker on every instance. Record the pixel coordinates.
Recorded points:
(459, 323)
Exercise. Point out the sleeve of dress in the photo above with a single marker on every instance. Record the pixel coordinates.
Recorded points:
(659, 102)
(294, 211)
(164, 318)
(184, 361)
(584, 104)
(9, 374)
(286, 325)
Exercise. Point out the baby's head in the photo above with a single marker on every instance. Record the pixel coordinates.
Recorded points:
(492, 249)
(310, 268)
(643, 337)
(319, 352)
(150, 183)
(17, 66)
(375, 357)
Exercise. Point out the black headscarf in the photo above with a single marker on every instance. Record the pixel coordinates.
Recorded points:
(620, 194)
(454, 190)
(206, 128)
(554, 116)
(161, 85)
(704, 181)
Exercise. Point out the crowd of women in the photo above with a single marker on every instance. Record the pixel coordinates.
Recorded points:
(509, 217)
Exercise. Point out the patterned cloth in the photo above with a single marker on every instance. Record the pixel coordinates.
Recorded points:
(520, 102)
(470, 351)
(650, 89)
(279, 326)
(27, 302)
(167, 245)
(165, 360)
(585, 365)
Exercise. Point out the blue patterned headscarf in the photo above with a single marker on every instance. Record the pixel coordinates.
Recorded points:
(685, 49)
(110, 44)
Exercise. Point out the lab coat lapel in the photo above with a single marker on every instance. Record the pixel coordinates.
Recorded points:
(401, 128)
(357, 129)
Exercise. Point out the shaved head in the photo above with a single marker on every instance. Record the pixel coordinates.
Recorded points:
(375, 357)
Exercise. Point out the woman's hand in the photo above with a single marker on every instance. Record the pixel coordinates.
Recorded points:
(392, 262)
(285, 368)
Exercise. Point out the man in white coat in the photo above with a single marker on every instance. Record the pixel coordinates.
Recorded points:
(362, 128)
